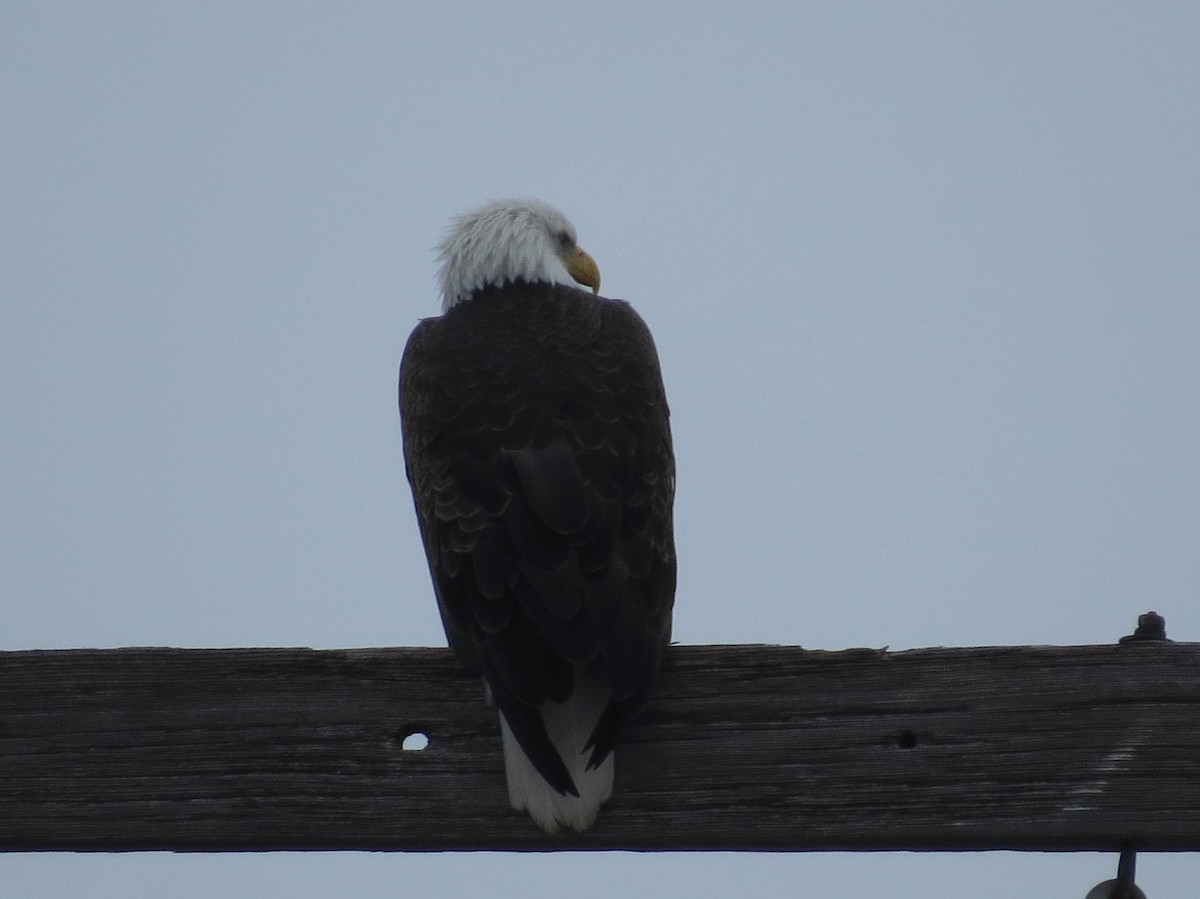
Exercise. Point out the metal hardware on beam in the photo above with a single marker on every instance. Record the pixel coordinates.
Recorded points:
(1151, 627)
(1123, 886)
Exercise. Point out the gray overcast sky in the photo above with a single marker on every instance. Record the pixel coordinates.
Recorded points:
(923, 278)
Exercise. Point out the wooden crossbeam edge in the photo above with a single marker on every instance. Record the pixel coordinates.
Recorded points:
(743, 747)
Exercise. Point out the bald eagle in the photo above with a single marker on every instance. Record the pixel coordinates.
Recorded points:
(538, 448)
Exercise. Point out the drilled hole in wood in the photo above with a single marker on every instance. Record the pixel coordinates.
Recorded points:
(906, 739)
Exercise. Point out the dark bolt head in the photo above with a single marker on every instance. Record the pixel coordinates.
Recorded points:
(1150, 626)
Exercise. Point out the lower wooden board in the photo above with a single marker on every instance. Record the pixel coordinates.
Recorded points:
(742, 748)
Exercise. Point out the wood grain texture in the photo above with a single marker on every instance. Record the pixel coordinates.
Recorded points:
(742, 748)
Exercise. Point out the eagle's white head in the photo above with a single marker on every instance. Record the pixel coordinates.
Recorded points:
(510, 240)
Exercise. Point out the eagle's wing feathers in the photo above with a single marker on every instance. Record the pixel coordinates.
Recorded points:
(543, 483)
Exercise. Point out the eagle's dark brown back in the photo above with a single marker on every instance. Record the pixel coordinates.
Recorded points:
(538, 447)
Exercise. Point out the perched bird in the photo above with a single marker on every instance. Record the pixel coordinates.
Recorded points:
(538, 447)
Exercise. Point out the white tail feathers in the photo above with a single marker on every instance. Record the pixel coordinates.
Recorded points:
(569, 725)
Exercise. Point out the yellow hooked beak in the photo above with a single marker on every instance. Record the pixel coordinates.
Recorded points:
(583, 268)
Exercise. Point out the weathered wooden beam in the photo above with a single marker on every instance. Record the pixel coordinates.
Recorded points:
(742, 748)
